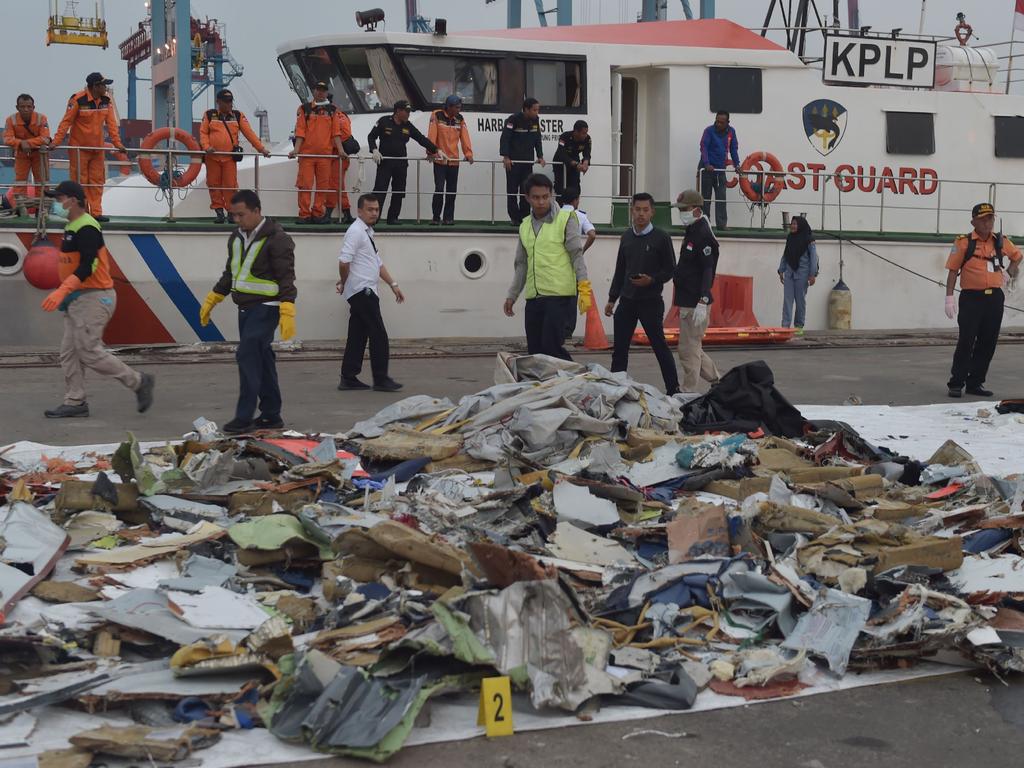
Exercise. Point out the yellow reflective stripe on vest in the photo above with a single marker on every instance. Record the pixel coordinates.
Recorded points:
(243, 280)
(549, 269)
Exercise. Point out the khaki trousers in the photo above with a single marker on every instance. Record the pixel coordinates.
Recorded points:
(693, 359)
(82, 345)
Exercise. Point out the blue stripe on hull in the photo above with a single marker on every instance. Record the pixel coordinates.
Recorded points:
(167, 275)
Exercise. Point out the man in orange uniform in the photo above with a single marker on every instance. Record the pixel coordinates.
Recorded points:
(980, 261)
(339, 170)
(448, 129)
(88, 111)
(28, 134)
(317, 132)
(219, 138)
(87, 299)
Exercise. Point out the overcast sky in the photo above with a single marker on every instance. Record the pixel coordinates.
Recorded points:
(256, 27)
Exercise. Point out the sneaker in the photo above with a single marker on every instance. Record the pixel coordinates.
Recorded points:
(979, 391)
(351, 382)
(435, 222)
(266, 422)
(346, 216)
(102, 218)
(236, 427)
(66, 411)
(799, 331)
(954, 392)
(144, 394)
(387, 385)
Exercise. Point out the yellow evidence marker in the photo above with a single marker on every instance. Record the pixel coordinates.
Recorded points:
(495, 712)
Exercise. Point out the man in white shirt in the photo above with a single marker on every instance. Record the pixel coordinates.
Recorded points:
(570, 200)
(360, 269)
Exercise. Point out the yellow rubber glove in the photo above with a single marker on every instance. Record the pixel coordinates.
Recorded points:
(54, 300)
(585, 300)
(212, 300)
(287, 322)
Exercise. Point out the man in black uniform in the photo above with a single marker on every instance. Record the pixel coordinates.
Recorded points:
(572, 158)
(394, 131)
(644, 264)
(520, 139)
(693, 279)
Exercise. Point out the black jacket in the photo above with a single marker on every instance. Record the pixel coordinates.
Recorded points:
(393, 137)
(520, 137)
(698, 260)
(571, 151)
(649, 254)
(275, 262)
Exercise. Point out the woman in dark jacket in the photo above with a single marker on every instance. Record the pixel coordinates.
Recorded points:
(798, 269)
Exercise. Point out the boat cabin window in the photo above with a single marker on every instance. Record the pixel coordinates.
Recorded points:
(910, 133)
(474, 79)
(320, 66)
(555, 83)
(1010, 136)
(735, 89)
(360, 79)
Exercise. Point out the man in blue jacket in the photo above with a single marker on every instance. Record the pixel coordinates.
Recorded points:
(716, 144)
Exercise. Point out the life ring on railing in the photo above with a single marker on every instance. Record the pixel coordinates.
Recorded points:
(730, 183)
(774, 182)
(164, 134)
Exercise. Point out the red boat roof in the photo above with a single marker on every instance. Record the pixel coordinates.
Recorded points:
(698, 33)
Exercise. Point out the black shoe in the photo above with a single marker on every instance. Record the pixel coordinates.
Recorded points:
(351, 382)
(325, 219)
(673, 391)
(721, 227)
(980, 391)
(144, 394)
(346, 216)
(102, 218)
(236, 427)
(954, 392)
(387, 385)
(448, 223)
(264, 422)
(391, 222)
(66, 411)
(328, 212)
(435, 222)
(220, 218)
(305, 220)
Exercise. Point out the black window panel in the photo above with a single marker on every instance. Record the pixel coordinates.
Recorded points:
(474, 79)
(557, 84)
(1010, 137)
(735, 89)
(910, 133)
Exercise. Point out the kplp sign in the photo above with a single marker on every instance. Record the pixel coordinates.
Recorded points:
(879, 61)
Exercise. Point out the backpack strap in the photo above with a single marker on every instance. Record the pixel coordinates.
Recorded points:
(972, 246)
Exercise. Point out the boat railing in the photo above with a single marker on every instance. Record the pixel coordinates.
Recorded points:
(178, 158)
(824, 197)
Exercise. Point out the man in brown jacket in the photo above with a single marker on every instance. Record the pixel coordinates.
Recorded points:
(260, 276)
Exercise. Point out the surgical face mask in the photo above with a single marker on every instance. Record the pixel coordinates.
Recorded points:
(687, 217)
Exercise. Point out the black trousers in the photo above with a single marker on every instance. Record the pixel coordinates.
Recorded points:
(446, 184)
(980, 318)
(546, 319)
(650, 313)
(257, 370)
(714, 182)
(391, 173)
(366, 324)
(566, 177)
(518, 208)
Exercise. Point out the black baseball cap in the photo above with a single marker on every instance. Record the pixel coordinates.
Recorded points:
(403, 104)
(225, 95)
(320, 86)
(982, 209)
(68, 188)
(95, 77)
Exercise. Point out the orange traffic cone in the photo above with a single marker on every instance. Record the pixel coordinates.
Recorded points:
(595, 338)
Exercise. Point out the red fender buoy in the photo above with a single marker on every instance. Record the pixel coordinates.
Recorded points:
(41, 265)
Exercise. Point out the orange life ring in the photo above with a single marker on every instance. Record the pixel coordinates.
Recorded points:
(731, 182)
(773, 185)
(164, 134)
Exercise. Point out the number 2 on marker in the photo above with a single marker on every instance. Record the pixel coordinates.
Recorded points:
(495, 711)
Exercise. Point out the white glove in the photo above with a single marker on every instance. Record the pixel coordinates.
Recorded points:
(376, 156)
(700, 314)
(950, 307)
(442, 156)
